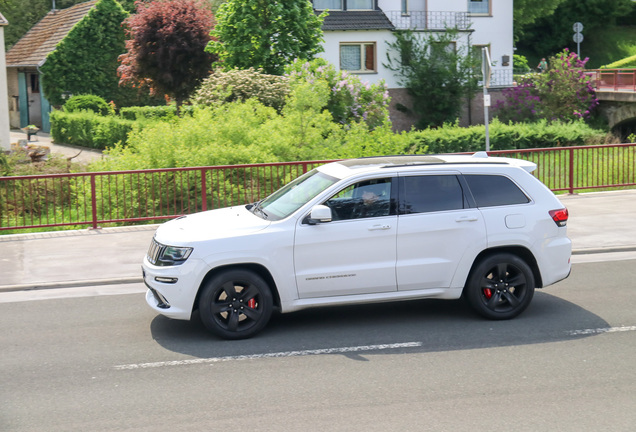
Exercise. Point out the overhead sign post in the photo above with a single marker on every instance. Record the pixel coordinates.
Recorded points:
(486, 71)
(578, 37)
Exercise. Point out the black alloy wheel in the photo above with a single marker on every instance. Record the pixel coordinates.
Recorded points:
(236, 304)
(500, 286)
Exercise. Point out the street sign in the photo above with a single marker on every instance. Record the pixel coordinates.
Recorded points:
(578, 38)
(486, 69)
(577, 27)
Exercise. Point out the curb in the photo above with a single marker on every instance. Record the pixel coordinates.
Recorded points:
(69, 284)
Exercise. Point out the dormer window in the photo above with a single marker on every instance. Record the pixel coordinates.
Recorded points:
(344, 4)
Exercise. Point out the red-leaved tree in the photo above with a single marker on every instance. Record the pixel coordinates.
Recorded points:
(166, 47)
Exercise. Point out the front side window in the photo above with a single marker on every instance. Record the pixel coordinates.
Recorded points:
(495, 190)
(479, 7)
(431, 193)
(369, 198)
(357, 57)
(328, 4)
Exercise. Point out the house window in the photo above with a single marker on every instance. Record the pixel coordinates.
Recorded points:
(35, 83)
(357, 57)
(328, 4)
(343, 4)
(481, 7)
(359, 4)
(405, 7)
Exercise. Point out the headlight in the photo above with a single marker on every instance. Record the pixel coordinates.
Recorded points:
(162, 255)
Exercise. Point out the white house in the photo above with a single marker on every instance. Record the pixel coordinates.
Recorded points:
(5, 136)
(356, 34)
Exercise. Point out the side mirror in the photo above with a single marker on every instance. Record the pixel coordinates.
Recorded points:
(319, 214)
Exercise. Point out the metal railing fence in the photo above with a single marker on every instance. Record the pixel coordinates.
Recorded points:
(118, 197)
(614, 79)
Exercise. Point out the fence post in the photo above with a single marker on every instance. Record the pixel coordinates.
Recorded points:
(571, 176)
(204, 195)
(94, 201)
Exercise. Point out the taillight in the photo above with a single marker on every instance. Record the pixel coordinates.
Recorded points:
(560, 216)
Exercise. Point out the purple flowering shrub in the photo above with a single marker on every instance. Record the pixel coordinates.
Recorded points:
(521, 103)
(564, 92)
(350, 99)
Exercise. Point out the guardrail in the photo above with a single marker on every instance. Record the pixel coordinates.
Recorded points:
(614, 79)
(96, 199)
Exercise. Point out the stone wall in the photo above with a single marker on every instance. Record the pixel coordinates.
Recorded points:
(472, 112)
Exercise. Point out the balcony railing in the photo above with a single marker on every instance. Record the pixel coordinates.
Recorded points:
(431, 20)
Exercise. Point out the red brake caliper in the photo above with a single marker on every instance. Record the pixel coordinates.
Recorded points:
(488, 293)
(251, 303)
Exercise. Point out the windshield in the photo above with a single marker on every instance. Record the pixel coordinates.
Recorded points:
(293, 196)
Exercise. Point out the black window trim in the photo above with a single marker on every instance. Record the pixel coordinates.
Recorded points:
(474, 201)
(468, 197)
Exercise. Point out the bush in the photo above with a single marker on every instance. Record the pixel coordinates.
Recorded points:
(564, 92)
(453, 139)
(88, 102)
(241, 85)
(165, 112)
(87, 129)
(520, 64)
(350, 100)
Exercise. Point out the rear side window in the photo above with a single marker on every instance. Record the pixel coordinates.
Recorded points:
(495, 190)
(431, 193)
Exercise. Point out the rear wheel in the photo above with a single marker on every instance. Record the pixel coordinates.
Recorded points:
(235, 304)
(500, 286)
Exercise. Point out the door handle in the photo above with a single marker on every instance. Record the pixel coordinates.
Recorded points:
(466, 219)
(379, 227)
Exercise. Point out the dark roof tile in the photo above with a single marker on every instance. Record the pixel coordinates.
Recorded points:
(356, 20)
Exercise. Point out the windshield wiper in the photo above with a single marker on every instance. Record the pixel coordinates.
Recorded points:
(256, 207)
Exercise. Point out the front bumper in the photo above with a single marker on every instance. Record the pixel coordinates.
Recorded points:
(173, 290)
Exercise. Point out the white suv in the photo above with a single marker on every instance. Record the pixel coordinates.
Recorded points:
(366, 230)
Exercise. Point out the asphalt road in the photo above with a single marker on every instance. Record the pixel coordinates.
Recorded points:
(107, 362)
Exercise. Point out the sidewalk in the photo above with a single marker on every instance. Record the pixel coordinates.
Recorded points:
(599, 222)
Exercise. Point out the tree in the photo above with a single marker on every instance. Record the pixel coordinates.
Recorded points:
(266, 34)
(528, 11)
(166, 49)
(436, 75)
(550, 34)
(85, 61)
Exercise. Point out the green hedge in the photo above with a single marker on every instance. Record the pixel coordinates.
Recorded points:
(87, 129)
(452, 139)
(153, 112)
(627, 62)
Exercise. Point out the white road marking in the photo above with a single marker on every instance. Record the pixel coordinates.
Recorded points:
(601, 330)
(342, 350)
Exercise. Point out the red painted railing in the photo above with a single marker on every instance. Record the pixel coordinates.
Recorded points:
(614, 79)
(96, 199)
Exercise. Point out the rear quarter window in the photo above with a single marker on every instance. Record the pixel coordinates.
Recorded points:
(494, 190)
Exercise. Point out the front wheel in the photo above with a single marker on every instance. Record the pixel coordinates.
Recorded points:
(500, 286)
(235, 304)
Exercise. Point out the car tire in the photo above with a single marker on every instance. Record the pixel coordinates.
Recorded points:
(235, 304)
(500, 286)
